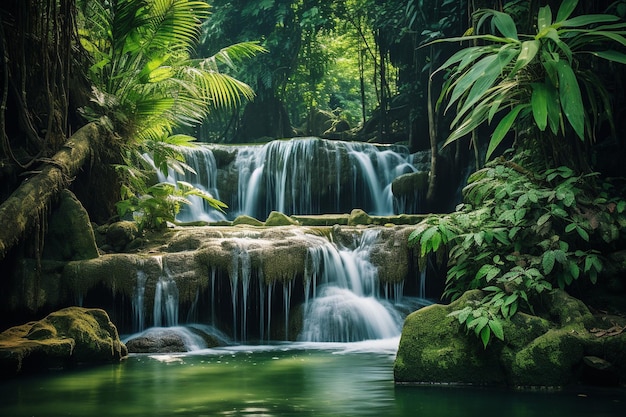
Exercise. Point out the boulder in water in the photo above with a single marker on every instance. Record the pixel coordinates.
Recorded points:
(171, 340)
(71, 336)
(545, 350)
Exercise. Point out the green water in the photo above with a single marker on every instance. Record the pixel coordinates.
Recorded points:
(283, 380)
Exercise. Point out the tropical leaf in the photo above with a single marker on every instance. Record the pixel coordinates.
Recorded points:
(503, 128)
(539, 104)
(566, 9)
(571, 98)
(611, 55)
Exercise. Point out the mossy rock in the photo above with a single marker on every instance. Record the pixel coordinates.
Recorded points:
(120, 234)
(276, 218)
(537, 351)
(434, 349)
(66, 337)
(549, 360)
(359, 217)
(247, 220)
(70, 234)
(407, 185)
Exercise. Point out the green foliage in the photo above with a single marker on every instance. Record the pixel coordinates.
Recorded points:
(160, 203)
(538, 82)
(146, 85)
(521, 233)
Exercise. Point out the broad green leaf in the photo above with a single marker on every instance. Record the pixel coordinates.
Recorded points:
(475, 119)
(574, 270)
(160, 74)
(544, 18)
(496, 329)
(505, 24)
(486, 80)
(611, 55)
(467, 80)
(582, 233)
(503, 128)
(539, 103)
(485, 335)
(571, 98)
(566, 9)
(554, 108)
(511, 299)
(527, 53)
(479, 324)
(588, 19)
(547, 261)
(611, 35)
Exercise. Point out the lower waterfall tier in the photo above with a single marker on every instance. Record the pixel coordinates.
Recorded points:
(335, 284)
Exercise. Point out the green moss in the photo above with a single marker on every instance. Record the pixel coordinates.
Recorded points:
(359, 217)
(247, 220)
(276, 218)
(549, 359)
(433, 349)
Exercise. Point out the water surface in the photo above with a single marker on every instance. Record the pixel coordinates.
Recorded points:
(302, 379)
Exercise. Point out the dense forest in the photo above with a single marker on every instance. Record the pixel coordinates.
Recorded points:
(540, 82)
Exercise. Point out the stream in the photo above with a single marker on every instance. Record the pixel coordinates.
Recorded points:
(283, 379)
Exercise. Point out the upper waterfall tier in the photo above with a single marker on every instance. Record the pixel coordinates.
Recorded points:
(299, 176)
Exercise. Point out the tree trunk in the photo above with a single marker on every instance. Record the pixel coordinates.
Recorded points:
(434, 149)
(20, 212)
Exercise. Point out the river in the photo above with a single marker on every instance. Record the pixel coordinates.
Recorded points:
(295, 379)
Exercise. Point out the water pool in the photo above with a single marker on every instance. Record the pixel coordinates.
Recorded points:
(301, 379)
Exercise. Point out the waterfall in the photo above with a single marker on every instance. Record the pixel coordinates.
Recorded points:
(165, 312)
(138, 302)
(346, 306)
(202, 174)
(296, 176)
(313, 176)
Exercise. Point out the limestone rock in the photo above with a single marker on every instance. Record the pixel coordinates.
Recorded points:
(70, 234)
(66, 337)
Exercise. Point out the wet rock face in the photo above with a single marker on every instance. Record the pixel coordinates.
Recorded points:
(64, 338)
(547, 350)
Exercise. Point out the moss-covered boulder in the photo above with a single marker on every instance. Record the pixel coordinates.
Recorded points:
(70, 235)
(247, 220)
(276, 218)
(64, 338)
(120, 234)
(434, 349)
(546, 350)
(359, 217)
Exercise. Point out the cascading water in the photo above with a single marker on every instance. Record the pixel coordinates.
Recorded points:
(202, 175)
(298, 176)
(345, 305)
(166, 305)
(314, 176)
